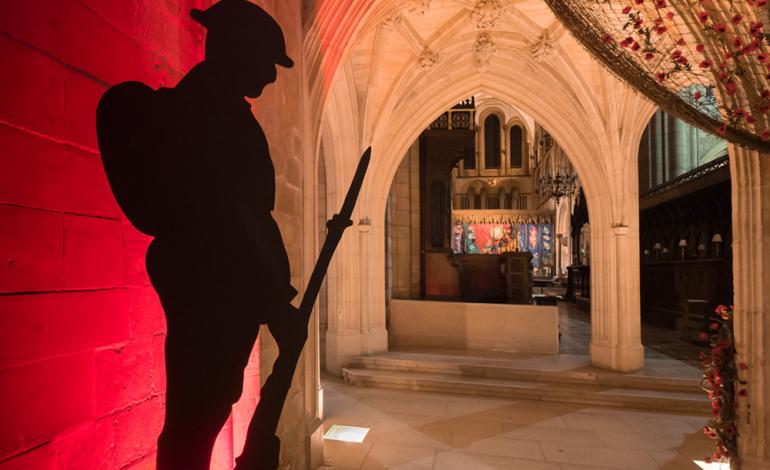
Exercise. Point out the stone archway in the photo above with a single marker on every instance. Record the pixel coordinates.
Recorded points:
(588, 119)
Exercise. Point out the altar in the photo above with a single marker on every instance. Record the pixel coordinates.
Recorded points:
(503, 278)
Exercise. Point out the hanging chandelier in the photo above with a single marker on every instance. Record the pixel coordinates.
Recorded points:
(560, 185)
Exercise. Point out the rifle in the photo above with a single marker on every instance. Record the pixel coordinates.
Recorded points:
(336, 227)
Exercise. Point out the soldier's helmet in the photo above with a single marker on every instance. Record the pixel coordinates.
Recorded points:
(248, 21)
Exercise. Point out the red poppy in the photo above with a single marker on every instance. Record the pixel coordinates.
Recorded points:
(705, 64)
(730, 88)
(737, 18)
(720, 27)
(743, 392)
(627, 10)
(703, 16)
(743, 366)
(700, 48)
(697, 95)
(660, 3)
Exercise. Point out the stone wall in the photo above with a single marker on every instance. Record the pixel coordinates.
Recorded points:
(81, 330)
(405, 227)
(82, 379)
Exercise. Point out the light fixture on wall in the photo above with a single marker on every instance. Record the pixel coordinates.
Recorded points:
(657, 249)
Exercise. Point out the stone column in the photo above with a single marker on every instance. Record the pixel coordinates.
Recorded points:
(615, 307)
(356, 315)
(750, 173)
(615, 268)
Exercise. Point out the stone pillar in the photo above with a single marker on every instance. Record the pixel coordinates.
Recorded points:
(615, 267)
(680, 147)
(615, 307)
(356, 313)
(750, 173)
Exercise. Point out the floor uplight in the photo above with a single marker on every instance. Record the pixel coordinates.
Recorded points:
(339, 432)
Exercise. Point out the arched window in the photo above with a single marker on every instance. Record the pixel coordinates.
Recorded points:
(516, 147)
(492, 142)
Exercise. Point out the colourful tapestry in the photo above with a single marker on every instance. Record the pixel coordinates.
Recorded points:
(503, 238)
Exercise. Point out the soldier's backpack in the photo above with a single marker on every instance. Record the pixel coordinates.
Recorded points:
(130, 139)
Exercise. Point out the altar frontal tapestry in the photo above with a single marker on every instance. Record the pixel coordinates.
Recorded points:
(502, 238)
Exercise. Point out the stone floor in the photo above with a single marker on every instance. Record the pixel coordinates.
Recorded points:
(421, 430)
(659, 343)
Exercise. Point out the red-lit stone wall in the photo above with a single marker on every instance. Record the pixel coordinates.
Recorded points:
(81, 331)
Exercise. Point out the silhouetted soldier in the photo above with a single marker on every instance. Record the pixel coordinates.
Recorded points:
(191, 166)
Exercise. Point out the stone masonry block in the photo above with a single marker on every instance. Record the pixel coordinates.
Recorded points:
(75, 35)
(32, 100)
(37, 172)
(33, 326)
(145, 312)
(137, 429)
(123, 376)
(87, 447)
(92, 252)
(81, 96)
(30, 250)
(41, 399)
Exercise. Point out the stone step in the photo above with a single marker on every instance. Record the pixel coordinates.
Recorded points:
(517, 370)
(596, 395)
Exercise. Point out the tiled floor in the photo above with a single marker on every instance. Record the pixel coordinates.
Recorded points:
(420, 430)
